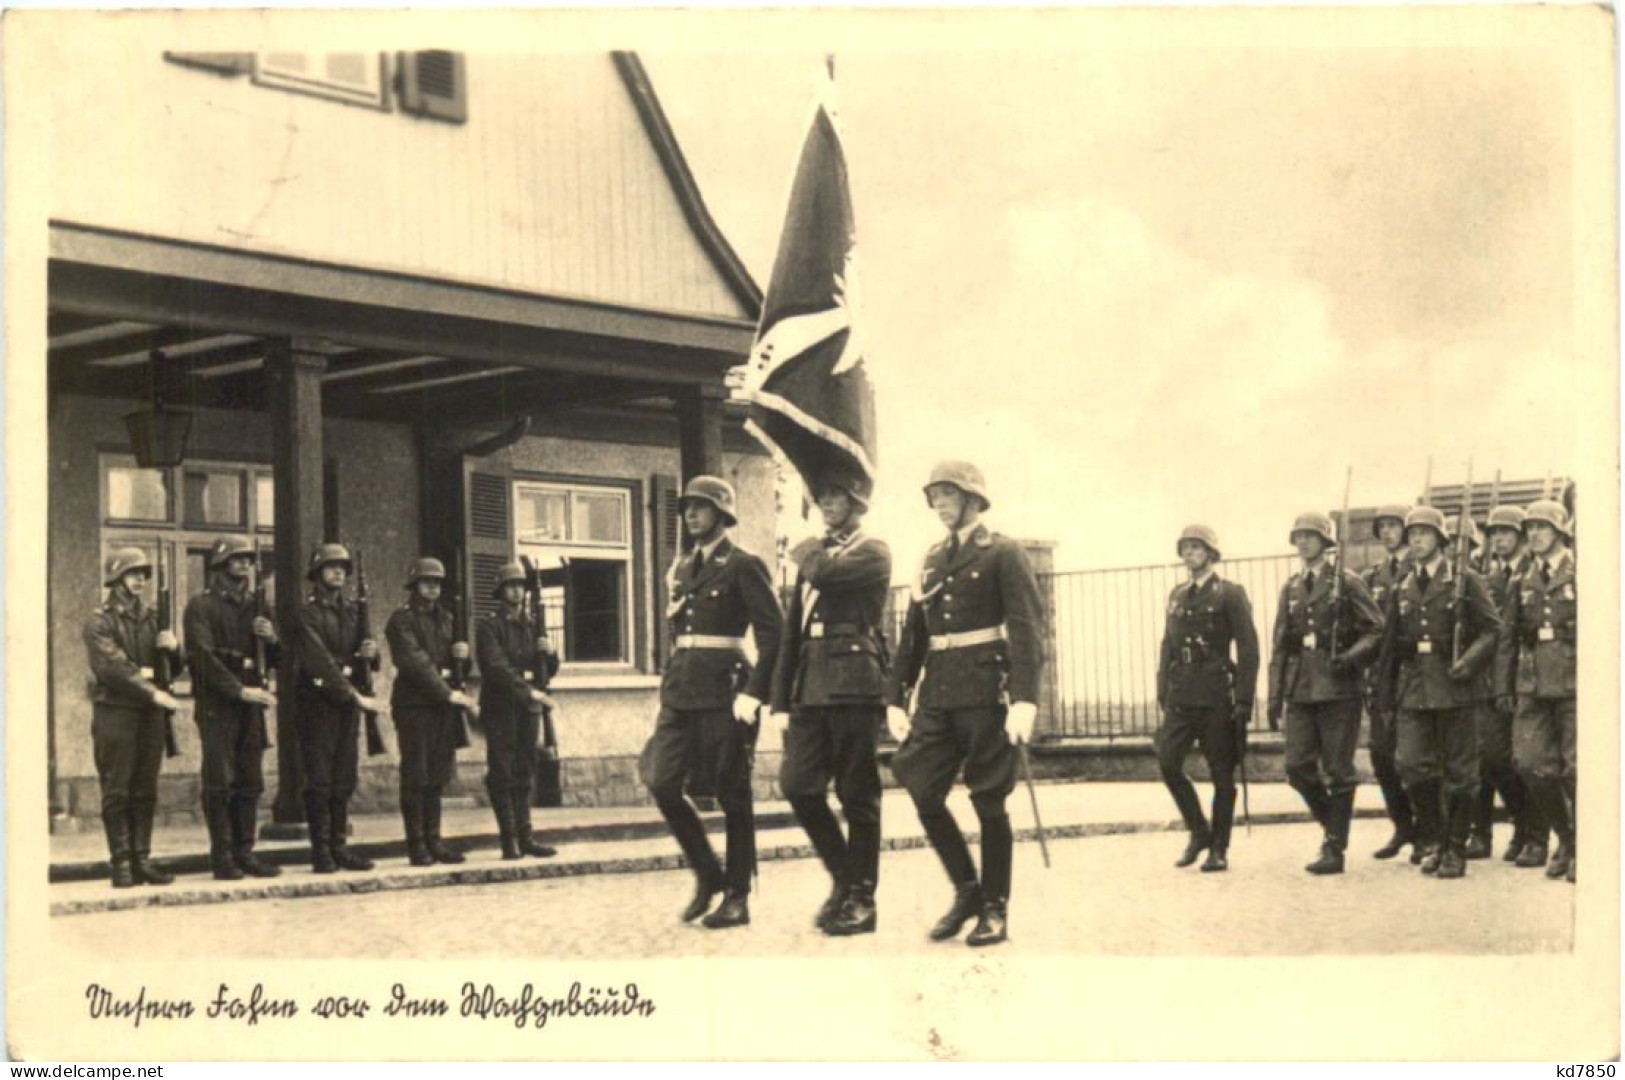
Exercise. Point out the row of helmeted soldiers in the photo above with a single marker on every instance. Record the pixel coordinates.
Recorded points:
(969, 657)
(1467, 675)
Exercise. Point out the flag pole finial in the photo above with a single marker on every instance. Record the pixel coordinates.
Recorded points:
(829, 64)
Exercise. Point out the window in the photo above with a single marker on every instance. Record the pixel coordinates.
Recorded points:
(132, 494)
(580, 538)
(214, 498)
(357, 78)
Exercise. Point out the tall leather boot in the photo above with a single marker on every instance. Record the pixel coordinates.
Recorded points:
(217, 816)
(245, 824)
(998, 846)
(689, 832)
(1516, 798)
(431, 830)
(1339, 812)
(1558, 811)
(141, 865)
(1462, 806)
(819, 823)
(738, 865)
(858, 913)
(116, 824)
(1190, 810)
(502, 809)
(524, 833)
(319, 815)
(1481, 836)
(412, 818)
(1398, 804)
(339, 814)
(949, 843)
(1224, 817)
(1429, 824)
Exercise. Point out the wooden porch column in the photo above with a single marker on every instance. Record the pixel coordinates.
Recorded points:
(699, 430)
(294, 374)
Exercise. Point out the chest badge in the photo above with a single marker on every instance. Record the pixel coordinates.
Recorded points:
(1568, 592)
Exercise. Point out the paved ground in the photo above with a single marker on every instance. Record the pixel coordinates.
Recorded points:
(1105, 895)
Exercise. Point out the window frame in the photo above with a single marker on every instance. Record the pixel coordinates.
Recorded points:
(627, 552)
(274, 79)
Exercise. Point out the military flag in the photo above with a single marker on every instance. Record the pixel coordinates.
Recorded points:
(811, 402)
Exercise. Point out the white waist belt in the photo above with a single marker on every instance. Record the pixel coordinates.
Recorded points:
(709, 641)
(967, 639)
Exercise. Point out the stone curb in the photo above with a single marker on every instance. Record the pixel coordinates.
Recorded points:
(389, 881)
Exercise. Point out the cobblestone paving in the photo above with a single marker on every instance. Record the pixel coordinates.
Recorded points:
(1117, 895)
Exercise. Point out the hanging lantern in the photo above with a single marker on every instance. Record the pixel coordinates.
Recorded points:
(158, 434)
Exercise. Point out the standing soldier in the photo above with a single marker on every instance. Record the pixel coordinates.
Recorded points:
(1320, 645)
(127, 715)
(1503, 562)
(1382, 579)
(973, 626)
(330, 707)
(710, 696)
(1536, 660)
(831, 678)
(1205, 697)
(513, 656)
(222, 625)
(425, 708)
(1436, 690)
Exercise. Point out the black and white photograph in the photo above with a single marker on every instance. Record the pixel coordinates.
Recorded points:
(812, 535)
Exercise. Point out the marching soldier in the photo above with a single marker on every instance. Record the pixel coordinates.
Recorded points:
(127, 715)
(1382, 579)
(710, 697)
(329, 714)
(971, 640)
(1315, 680)
(513, 656)
(424, 706)
(831, 677)
(1504, 561)
(1436, 692)
(1205, 698)
(1536, 661)
(222, 625)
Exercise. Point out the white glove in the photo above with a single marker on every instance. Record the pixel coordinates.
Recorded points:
(461, 700)
(897, 722)
(1018, 722)
(459, 650)
(745, 708)
(253, 695)
(369, 704)
(164, 700)
(166, 641)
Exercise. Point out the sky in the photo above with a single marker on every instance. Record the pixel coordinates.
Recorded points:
(1145, 287)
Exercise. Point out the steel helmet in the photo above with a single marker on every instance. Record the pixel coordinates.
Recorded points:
(1549, 511)
(326, 555)
(124, 560)
(962, 475)
(1317, 523)
(1452, 529)
(425, 568)
(1392, 511)
(852, 481)
(1203, 535)
(1426, 517)
(1505, 517)
(227, 546)
(509, 573)
(714, 490)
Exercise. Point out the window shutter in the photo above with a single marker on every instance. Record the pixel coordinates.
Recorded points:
(490, 539)
(666, 529)
(434, 84)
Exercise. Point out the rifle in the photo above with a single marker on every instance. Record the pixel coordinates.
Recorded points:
(260, 671)
(162, 677)
(547, 769)
(1464, 526)
(361, 667)
(1337, 566)
(459, 664)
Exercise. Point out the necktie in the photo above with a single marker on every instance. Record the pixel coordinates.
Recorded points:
(1309, 582)
(1393, 569)
(1545, 572)
(699, 560)
(1422, 578)
(953, 547)
(1195, 587)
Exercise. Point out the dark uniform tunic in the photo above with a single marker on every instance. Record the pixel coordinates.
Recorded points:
(126, 728)
(220, 647)
(1199, 687)
(1322, 705)
(1437, 735)
(1495, 727)
(510, 665)
(983, 586)
(1536, 660)
(710, 608)
(831, 677)
(329, 715)
(420, 637)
